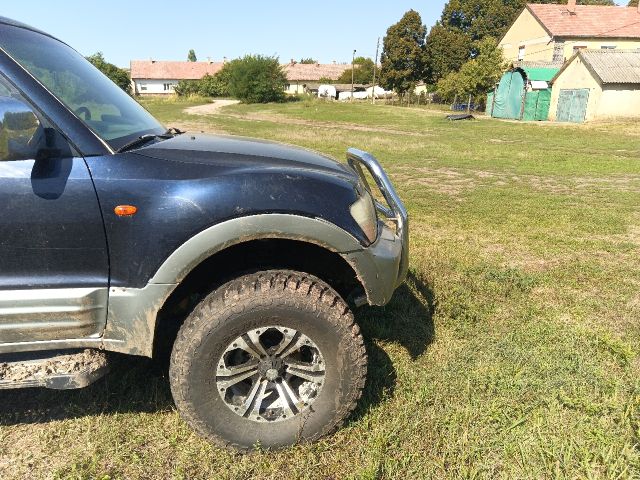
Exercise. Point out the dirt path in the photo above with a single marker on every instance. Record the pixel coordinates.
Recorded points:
(210, 108)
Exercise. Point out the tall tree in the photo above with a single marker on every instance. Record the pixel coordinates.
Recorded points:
(447, 49)
(465, 22)
(403, 53)
(192, 56)
(478, 75)
(481, 18)
(118, 75)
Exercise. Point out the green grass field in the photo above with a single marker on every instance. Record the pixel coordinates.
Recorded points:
(512, 352)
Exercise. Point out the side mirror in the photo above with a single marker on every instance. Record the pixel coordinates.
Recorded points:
(22, 137)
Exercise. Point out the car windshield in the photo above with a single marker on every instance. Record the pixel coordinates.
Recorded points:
(103, 106)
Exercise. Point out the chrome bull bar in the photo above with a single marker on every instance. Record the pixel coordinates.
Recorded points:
(394, 210)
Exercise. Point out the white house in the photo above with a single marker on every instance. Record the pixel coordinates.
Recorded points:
(161, 77)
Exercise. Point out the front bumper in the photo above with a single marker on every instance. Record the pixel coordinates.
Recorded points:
(383, 266)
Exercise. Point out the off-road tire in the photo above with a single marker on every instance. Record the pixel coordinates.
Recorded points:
(291, 299)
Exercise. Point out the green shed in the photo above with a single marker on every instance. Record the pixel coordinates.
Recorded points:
(522, 94)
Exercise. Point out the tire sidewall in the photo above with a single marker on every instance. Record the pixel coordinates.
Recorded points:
(260, 311)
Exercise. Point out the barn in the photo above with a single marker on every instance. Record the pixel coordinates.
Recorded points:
(597, 85)
(522, 94)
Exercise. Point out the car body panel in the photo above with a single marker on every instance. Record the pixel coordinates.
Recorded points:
(195, 189)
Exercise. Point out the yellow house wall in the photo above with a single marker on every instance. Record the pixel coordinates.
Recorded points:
(619, 101)
(597, 43)
(575, 76)
(295, 88)
(527, 31)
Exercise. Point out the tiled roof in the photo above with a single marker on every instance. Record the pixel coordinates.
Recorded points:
(314, 71)
(588, 20)
(161, 70)
(614, 66)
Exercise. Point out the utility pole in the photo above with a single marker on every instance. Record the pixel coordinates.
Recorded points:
(353, 61)
(375, 65)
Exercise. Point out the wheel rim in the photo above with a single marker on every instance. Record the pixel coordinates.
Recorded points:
(270, 374)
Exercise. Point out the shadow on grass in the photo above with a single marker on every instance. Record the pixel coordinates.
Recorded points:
(140, 385)
(407, 321)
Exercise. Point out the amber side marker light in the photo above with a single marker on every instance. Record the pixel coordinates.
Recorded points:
(125, 210)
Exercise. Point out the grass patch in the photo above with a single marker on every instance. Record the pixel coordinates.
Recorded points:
(512, 352)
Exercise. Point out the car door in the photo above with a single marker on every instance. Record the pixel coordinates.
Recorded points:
(53, 254)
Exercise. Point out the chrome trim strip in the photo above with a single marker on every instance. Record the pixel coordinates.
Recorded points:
(52, 314)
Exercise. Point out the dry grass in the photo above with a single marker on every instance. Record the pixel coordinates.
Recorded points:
(512, 352)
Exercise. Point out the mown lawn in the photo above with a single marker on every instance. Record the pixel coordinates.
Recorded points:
(511, 353)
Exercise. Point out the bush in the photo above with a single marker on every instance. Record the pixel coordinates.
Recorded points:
(187, 88)
(256, 79)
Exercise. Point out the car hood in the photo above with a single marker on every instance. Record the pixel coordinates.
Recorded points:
(224, 149)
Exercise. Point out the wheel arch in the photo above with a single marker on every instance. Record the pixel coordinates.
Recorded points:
(137, 317)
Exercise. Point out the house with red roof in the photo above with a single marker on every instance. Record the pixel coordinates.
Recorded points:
(552, 33)
(161, 77)
(303, 75)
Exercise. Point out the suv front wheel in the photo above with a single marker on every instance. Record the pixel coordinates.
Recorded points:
(269, 359)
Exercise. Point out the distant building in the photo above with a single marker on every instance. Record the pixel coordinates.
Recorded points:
(552, 33)
(595, 85)
(161, 77)
(302, 75)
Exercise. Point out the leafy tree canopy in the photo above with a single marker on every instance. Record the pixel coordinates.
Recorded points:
(465, 22)
(403, 53)
(118, 75)
(308, 61)
(446, 51)
(192, 56)
(478, 75)
(362, 73)
(481, 18)
(257, 79)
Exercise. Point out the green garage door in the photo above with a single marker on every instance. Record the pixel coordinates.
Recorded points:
(572, 105)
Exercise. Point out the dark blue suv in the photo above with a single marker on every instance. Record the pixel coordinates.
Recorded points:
(242, 258)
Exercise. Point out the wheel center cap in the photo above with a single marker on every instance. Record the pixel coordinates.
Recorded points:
(270, 368)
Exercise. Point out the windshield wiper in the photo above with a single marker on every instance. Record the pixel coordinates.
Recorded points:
(142, 139)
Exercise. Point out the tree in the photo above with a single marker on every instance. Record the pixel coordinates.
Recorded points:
(192, 56)
(208, 86)
(403, 53)
(465, 22)
(257, 79)
(119, 76)
(477, 76)
(481, 18)
(446, 51)
(308, 61)
(362, 73)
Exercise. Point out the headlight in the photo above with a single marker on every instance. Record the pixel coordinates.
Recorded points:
(364, 213)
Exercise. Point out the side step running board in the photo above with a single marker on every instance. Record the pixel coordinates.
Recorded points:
(59, 370)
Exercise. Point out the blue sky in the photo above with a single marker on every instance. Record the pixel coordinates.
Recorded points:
(165, 30)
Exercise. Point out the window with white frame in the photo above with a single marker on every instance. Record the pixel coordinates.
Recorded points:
(521, 52)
